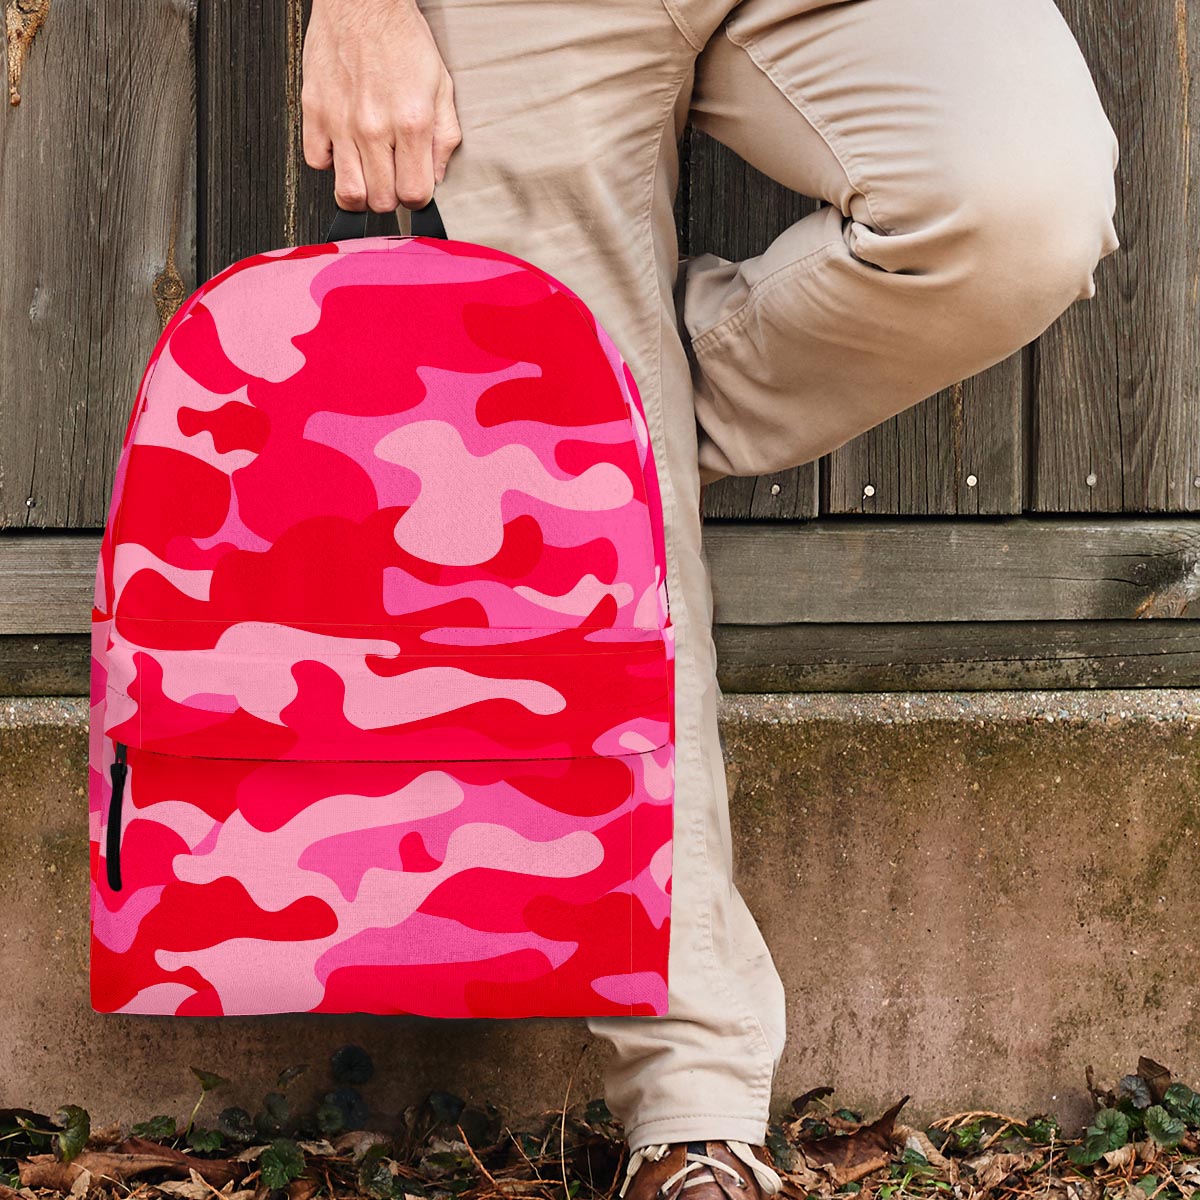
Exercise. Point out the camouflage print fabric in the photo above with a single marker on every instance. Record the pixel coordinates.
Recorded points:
(382, 635)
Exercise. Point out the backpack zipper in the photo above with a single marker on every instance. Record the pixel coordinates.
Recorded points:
(112, 847)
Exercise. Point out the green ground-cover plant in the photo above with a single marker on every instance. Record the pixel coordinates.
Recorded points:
(312, 1141)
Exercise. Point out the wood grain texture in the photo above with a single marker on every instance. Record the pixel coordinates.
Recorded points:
(257, 193)
(811, 657)
(46, 582)
(1009, 568)
(40, 665)
(1117, 400)
(958, 453)
(97, 229)
(956, 656)
(838, 571)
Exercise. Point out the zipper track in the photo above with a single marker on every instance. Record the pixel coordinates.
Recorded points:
(112, 833)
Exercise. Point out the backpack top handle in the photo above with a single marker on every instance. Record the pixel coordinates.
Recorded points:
(426, 222)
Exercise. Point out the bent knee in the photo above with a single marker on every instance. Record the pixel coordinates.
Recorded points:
(1014, 237)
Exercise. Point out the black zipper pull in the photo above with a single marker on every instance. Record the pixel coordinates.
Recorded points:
(112, 847)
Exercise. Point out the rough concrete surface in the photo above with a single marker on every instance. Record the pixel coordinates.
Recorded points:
(970, 896)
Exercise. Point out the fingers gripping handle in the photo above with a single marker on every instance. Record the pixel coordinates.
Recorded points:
(426, 222)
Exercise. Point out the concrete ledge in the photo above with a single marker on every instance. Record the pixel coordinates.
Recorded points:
(969, 895)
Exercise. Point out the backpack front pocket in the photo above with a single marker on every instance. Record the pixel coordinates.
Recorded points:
(510, 860)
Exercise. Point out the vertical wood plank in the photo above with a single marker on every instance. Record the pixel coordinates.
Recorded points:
(958, 453)
(1117, 401)
(735, 211)
(257, 192)
(97, 226)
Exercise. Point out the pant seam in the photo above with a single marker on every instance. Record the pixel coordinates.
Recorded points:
(748, 1024)
(751, 1027)
(805, 108)
(683, 24)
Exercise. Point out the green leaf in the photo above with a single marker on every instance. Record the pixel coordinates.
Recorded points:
(281, 1162)
(1086, 1152)
(1043, 1129)
(236, 1125)
(206, 1141)
(1112, 1127)
(1136, 1088)
(157, 1129)
(209, 1080)
(1148, 1183)
(967, 1136)
(1109, 1130)
(271, 1120)
(375, 1176)
(330, 1118)
(1180, 1101)
(1165, 1129)
(75, 1126)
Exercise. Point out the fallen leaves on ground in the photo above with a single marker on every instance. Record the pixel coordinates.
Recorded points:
(1143, 1144)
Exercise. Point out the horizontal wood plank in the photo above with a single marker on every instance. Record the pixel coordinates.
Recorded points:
(44, 665)
(848, 571)
(46, 583)
(816, 657)
(1004, 569)
(957, 656)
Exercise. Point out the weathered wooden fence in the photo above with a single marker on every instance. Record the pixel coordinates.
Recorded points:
(1015, 530)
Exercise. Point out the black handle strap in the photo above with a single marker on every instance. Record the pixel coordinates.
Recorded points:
(346, 225)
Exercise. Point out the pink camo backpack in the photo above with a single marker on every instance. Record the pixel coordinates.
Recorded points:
(382, 661)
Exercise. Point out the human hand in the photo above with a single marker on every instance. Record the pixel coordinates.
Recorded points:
(377, 103)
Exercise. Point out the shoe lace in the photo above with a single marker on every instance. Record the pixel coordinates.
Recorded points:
(768, 1179)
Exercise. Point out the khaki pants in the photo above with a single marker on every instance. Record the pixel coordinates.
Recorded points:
(967, 166)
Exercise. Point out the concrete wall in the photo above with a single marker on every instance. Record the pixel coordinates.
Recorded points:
(970, 896)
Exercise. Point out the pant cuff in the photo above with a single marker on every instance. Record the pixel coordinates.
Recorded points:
(696, 1127)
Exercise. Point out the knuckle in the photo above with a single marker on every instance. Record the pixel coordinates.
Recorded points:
(372, 128)
(412, 197)
(383, 203)
(414, 120)
(350, 195)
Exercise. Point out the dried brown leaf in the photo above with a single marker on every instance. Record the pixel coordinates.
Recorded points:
(848, 1157)
(1157, 1077)
(918, 1139)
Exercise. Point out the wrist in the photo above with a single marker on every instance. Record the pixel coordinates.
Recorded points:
(365, 8)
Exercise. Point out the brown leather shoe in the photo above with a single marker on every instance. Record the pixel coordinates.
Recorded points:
(700, 1171)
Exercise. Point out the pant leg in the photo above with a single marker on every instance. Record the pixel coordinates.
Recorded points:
(968, 169)
(570, 111)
